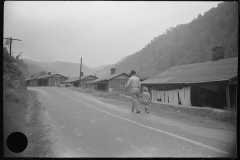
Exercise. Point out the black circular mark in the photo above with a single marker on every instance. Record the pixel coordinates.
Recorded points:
(17, 142)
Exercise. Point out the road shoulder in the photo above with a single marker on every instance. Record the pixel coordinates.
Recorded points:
(38, 129)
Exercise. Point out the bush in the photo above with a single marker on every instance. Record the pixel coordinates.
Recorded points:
(89, 90)
(114, 94)
(14, 95)
(231, 109)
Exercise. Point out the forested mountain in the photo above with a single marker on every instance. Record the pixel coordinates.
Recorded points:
(34, 69)
(65, 68)
(188, 43)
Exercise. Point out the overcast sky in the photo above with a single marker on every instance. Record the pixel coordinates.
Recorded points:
(101, 32)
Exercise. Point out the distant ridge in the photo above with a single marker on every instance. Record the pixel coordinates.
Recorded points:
(64, 68)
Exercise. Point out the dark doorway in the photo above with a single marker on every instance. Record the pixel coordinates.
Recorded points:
(233, 96)
(207, 97)
(102, 86)
(45, 82)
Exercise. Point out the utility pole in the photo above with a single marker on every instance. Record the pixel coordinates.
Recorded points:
(11, 44)
(80, 84)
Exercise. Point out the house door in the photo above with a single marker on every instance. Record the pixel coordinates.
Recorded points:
(56, 82)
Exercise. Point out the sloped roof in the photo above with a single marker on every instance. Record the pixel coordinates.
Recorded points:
(46, 76)
(30, 78)
(108, 77)
(220, 70)
(77, 78)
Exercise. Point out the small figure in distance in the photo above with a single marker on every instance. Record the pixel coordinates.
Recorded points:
(146, 98)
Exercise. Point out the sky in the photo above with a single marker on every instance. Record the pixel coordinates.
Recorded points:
(101, 32)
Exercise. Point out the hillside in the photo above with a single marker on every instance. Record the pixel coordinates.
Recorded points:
(64, 68)
(104, 71)
(188, 43)
(100, 67)
(34, 68)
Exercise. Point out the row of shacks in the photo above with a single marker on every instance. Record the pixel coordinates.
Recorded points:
(114, 81)
(56, 79)
(211, 83)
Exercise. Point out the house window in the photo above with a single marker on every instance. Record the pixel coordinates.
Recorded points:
(122, 86)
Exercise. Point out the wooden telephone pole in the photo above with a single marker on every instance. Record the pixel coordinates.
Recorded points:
(80, 80)
(11, 43)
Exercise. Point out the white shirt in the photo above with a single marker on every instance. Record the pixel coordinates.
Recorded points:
(134, 82)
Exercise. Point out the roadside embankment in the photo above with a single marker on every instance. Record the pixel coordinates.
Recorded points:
(24, 113)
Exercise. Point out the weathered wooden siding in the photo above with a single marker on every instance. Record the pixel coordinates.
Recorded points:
(88, 79)
(123, 76)
(107, 86)
(33, 82)
(93, 86)
(84, 84)
(60, 79)
(115, 84)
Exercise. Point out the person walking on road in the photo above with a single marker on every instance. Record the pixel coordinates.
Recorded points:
(135, 85)
(146, 98)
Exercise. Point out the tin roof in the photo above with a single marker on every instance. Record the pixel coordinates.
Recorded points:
(30, 78)
(42, 77)
(108, 77)
(46, 76)
(77, 78)
(220, 70)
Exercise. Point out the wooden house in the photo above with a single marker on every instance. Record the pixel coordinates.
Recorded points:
(115, 81)
(211, 83)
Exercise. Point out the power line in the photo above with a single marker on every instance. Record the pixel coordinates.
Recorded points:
(11, 39)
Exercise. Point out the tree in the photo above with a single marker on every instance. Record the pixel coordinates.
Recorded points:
(218, 53)
(42, 73)
(19, 55)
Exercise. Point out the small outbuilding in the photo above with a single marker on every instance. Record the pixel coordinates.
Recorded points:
(211, 83)
(115, 81)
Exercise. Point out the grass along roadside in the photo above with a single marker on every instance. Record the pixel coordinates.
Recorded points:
(226, 120)
(26, 117)
(14, 111)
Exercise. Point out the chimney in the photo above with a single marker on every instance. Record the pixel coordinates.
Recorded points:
(81, 73)
(31, 76)
(113, 71)
(218, 53)
(49, 73)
